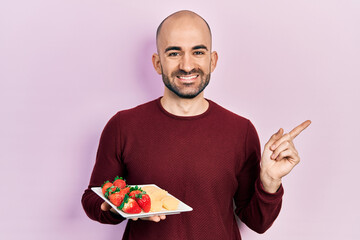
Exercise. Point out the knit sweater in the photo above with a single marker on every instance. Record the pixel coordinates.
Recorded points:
(210, 161)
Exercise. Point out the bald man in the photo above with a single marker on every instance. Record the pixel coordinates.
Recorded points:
(203, 154)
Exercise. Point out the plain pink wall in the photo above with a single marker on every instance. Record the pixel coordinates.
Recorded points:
(67, 66)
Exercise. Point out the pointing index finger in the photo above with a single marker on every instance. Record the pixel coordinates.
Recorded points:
(296, 131)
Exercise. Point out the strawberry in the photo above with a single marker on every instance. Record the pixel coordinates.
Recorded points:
(105, 186)
(116, 198)
(144, 201)
(119, 182)
(134, 191)
(129, 205)
(117, 195)
(125, 190)
(110, 191)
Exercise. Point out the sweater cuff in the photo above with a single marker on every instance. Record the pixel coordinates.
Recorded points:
(266, 196)
(112, 218)
(107, 216)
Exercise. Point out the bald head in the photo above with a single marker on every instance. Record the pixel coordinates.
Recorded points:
(184, 57)
(181, 18)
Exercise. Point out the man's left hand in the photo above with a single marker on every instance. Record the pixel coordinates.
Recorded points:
(279, 157)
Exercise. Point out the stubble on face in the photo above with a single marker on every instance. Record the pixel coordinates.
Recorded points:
(186, 90)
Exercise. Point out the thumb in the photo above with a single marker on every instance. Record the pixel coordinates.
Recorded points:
(105, 206)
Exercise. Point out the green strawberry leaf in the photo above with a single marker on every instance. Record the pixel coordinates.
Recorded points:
(117, 177)
(135, 188)
(126, 199)
(139, 195)
(107, 193)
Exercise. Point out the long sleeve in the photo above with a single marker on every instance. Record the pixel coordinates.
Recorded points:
(254, 206)
(108, 165)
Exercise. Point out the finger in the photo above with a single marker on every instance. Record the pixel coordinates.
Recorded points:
(154, 218)
(114, 211)
(296, 131)
(276, 136)
(134, 219)
(285, 137)
(105, 206)
(282, 147)
(288, 155)
(162, 217)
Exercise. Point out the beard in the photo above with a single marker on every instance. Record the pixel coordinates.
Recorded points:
(186, 90)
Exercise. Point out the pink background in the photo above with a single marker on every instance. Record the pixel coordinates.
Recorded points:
(67, 66)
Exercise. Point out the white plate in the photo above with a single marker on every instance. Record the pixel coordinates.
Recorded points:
(182, 206)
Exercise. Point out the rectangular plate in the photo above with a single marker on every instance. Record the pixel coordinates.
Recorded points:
(182, 206)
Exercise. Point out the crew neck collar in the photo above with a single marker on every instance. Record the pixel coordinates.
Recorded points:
(158, 102)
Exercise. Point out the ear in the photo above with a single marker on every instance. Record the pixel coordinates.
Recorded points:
(156, 63)
(214, 58)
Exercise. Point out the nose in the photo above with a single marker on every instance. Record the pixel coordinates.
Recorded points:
(187, 63)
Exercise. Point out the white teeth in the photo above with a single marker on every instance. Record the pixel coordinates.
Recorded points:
(188, 78)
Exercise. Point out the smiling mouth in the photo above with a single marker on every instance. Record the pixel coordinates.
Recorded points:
(187, 78)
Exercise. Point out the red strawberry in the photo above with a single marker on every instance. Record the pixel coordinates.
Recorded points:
(135, 190)
(134, 193)
(119, 182)
(105, 186)
(125, 190)
(144, 201)
(117, 198)
(129, 205)
(110, 191)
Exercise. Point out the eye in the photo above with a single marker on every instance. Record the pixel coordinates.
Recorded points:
(173, 54)
(199, 53)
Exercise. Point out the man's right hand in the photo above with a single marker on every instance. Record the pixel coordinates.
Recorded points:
(156, 218)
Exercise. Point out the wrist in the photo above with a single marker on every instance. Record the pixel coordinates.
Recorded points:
(270, 184)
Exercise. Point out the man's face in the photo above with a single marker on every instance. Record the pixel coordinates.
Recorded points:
(184, 56)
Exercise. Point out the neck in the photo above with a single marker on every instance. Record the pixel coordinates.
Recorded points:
(183, 106)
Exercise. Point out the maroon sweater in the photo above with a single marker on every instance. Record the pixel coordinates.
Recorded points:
(209, 162)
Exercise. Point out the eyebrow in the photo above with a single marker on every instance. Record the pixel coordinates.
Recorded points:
(200, 47)
(174, 48)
